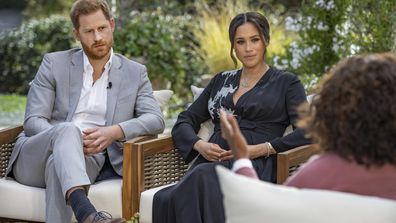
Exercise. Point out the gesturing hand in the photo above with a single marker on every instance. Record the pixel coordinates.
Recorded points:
(231, 133)
(210, 151)
(97, 139)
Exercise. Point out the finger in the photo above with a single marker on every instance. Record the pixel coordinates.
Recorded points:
(87, 143)
(225, 153)
(88, 150)
(227, 157)
(89, 130)
(224, 120)
(233, 123)
(216, 148)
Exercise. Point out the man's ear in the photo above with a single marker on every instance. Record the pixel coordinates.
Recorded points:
(112, 24)
(76, 34)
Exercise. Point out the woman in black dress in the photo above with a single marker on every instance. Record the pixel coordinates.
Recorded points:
(263, 100)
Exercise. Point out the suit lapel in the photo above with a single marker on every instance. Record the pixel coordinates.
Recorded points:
(76, 81)
(115, 77)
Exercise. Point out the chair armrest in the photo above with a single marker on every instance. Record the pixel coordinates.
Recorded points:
(7, 142)
(289, 161)
(153, 163)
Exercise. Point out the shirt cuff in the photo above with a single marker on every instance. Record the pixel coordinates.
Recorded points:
(240, 163)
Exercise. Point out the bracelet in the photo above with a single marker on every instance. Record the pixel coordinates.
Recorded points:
(268, 145)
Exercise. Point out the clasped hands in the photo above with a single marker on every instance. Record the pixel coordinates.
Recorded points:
(97, 139)
(231, 133)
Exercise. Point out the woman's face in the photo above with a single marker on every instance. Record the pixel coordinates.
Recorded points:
(248, 46)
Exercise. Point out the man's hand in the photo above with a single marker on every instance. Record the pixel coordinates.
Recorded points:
(231, 133)
(99, 138)
(210, 151)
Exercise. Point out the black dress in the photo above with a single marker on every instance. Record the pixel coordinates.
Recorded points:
(263, 113)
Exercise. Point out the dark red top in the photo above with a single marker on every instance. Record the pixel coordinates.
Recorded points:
(331, 172)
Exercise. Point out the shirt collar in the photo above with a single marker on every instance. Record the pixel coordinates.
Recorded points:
(87, 65)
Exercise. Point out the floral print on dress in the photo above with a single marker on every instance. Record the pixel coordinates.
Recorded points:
(215, 102)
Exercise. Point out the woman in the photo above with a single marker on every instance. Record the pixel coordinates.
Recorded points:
(354, 121)
(263, 100)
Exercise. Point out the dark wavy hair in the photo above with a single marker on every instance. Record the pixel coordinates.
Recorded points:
(354, 112)
(255, 18)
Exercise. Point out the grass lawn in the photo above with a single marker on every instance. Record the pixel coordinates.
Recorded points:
(12, 109)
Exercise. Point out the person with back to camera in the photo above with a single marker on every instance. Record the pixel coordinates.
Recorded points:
(262, 98)
(80, 107)
(353, 120)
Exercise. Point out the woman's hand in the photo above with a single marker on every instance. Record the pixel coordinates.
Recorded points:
(210, 151)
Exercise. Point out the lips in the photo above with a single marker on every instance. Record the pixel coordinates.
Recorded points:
(99, 45)
(250, 56)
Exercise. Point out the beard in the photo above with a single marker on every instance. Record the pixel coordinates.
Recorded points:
(95, 52)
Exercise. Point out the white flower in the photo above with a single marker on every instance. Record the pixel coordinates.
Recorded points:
(321, 26)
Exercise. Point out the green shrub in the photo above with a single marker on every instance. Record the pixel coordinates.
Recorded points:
(21, 50)
(166, 45)
(330, 30)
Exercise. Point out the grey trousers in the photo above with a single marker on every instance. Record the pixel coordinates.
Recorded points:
(54, 160)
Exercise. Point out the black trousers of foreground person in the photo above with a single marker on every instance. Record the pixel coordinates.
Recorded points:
(197, 197)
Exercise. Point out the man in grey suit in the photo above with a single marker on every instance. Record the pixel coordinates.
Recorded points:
(81, 105)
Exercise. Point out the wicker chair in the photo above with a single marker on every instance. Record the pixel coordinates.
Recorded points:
(7, 142)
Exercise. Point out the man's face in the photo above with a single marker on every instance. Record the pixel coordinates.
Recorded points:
(95, 34)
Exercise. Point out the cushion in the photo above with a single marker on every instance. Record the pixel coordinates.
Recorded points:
(146, 203)
(207, 127)
(28, 203)
(162, 97)
(250, 200)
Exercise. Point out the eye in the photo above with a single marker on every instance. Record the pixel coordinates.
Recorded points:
(255, 40)
(240, 42)
(89, 31)
(102, 28)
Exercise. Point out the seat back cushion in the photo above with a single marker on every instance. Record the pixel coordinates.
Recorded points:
(250, 200)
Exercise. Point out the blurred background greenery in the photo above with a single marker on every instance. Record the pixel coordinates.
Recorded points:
(179, 41)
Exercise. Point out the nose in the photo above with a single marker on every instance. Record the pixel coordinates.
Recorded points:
(248, 46)
(97, 35)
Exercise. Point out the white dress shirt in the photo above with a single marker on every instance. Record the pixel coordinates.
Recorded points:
(91, 108)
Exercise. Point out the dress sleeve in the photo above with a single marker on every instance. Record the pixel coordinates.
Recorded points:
(188, 123)
(295, 95)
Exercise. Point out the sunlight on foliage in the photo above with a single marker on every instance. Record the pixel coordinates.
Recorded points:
(213, 33)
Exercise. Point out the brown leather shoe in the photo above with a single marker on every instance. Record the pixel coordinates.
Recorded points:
(103, 217)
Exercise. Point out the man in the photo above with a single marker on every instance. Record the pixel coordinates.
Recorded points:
(81, 105)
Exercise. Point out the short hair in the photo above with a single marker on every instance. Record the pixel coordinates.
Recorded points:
(255, 18)
(354, 112)
(85, 7)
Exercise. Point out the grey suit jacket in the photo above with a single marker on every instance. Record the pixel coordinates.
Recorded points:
(56, 88)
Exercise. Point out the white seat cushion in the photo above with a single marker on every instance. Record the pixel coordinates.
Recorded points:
(146, 204)
(250, 200)
(22, 202)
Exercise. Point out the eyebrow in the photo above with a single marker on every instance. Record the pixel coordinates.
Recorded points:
(248, 37)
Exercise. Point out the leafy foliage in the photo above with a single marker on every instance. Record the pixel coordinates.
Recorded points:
(43, 8)
(166, 45)
(330, 30)
(21, 50)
